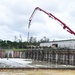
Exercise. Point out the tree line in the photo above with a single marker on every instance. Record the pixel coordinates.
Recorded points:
(7, 44)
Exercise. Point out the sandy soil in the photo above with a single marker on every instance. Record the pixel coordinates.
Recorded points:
(37, 72)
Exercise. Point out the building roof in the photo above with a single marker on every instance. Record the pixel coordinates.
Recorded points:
(60, 40)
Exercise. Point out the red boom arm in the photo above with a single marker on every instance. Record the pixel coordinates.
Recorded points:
(53, 17)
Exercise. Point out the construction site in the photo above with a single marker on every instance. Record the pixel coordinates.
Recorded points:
(53, 54)
(57, 52)
(37, 37)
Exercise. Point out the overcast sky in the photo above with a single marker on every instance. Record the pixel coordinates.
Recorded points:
(15, 14)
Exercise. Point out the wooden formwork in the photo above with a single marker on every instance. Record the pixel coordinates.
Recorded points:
(59, 56)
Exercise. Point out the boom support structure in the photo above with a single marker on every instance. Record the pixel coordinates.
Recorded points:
(53, 17)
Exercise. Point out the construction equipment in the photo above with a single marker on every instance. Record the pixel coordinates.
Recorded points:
(53, 17)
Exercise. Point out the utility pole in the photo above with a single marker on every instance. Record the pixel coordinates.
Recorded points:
(28, 36)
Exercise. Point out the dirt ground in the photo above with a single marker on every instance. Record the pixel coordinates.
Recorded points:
(37, 72)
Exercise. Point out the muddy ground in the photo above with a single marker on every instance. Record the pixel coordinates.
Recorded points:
(36, 72)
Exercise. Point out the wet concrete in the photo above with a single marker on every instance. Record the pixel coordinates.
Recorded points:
(29, 63)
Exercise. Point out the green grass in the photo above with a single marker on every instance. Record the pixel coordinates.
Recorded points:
(16, 49)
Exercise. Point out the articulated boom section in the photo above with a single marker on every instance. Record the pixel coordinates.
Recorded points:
(53, 17)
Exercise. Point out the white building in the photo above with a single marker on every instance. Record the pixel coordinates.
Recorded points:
(61, 44)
